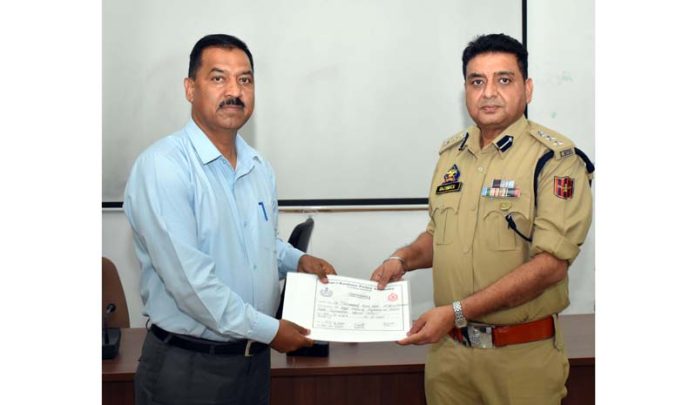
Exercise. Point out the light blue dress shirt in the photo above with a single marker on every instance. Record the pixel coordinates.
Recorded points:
(206, 238)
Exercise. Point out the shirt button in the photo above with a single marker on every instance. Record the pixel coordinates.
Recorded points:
(480, 169)
(245, 224)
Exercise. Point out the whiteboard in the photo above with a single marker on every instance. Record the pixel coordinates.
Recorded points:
(353, 98)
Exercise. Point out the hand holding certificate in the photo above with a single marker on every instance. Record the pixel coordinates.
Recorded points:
(348, 309)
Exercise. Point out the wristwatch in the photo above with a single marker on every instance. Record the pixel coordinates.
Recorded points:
(459, 319)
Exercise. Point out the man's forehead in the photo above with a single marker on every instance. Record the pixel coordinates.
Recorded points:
(493, 63)
(219, 57)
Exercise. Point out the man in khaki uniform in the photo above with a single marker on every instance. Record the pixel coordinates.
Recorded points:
(510, 205)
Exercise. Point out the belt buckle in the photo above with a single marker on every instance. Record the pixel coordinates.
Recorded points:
(480, 336)
(247, 349)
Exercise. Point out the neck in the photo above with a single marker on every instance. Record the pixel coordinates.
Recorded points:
(489, 134)
(223, 139)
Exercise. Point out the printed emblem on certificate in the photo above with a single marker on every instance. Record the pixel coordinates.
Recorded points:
(348, 309)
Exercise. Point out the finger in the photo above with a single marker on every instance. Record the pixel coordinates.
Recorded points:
(416, 327)
(382, 278)
(307, 342)
(378, 276)
(375, 274)
(303, 331)
(329, 268)
(411, 340)
(324, 271)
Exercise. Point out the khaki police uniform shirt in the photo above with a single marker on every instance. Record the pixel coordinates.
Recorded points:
(473, 245)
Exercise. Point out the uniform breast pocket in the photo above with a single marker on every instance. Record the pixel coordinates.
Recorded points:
(266, 223)
(445, 219)
(499, 232)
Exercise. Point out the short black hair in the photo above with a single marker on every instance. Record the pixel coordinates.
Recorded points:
(217, 41)
(496, 43)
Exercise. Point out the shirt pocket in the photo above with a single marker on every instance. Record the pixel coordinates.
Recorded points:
(265, 219)
(445, 213)
(499, 235)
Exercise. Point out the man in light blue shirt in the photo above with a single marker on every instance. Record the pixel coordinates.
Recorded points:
(203, 208)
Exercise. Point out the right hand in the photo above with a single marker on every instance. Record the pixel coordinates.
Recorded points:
(390, 270)
(290, 336)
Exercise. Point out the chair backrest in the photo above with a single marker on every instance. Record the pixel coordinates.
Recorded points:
(299, 238)
(112, 293)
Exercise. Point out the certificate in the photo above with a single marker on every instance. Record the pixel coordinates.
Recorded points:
(347, 309)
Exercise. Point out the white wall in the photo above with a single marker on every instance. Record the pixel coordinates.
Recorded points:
(359, 87)
(355, 243)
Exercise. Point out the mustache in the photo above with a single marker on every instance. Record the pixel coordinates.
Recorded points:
(231, 101)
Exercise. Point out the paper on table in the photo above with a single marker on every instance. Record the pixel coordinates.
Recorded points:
(348, 309)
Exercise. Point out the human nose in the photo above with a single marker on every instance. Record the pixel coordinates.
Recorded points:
(490, 89)
(233, 89)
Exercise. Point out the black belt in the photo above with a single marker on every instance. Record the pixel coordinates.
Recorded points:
(245, 347)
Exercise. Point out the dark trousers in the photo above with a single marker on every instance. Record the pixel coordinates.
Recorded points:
(169, 375)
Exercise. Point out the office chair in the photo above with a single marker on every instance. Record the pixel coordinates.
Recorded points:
(112, 293)
(114, 310)
(299, 238)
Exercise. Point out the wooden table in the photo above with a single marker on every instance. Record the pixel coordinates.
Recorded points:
(365, 373)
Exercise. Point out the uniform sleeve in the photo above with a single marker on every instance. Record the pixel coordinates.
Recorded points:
(564, 209)
(158, 204)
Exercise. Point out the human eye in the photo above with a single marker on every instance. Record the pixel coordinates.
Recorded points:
(246, 80)
(476, 82)
(217, 79)
(505, 80)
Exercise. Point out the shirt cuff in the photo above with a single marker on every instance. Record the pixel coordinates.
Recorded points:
(290, 260)
(555, 244)
(265, 328)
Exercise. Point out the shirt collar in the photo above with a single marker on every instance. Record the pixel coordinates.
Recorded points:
(204, 147)
(208, 152)
(502, 142)
(246, 156)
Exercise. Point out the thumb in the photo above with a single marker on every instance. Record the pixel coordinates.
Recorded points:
(300, 329)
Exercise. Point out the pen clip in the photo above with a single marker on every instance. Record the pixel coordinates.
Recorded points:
(263, 209)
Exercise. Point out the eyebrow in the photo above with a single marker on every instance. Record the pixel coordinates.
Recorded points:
(473, 75)
(218, 70)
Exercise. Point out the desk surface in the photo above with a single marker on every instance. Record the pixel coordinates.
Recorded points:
(349, 358)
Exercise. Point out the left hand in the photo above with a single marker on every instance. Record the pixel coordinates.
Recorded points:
(430, 327)
(315, 265)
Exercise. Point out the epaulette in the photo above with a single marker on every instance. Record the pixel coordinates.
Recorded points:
(560, 145)
(453, 140)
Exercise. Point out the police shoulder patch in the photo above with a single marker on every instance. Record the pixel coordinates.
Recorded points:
(451, 141)
(561, 146)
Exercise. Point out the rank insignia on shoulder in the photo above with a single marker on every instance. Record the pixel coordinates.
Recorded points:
(450, 183)
(563, 187)
(500, 188)
(567, 152)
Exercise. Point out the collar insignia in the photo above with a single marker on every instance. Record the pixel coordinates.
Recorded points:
(504, 143)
